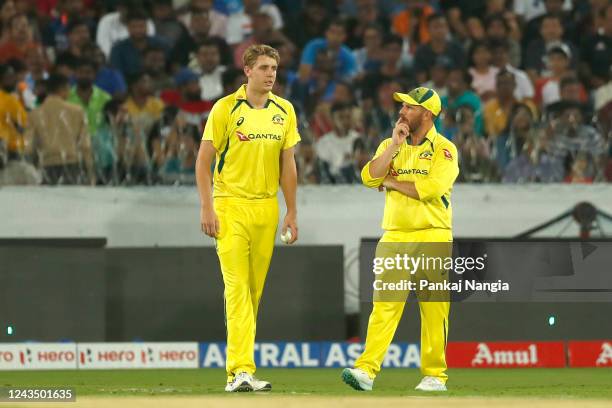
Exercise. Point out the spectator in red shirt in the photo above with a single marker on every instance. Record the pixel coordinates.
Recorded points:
(571, 89)
(557, 63)
(54, 33)
(19, 40)
(188, 98)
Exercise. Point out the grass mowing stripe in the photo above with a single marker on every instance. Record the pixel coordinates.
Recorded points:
(565, 382)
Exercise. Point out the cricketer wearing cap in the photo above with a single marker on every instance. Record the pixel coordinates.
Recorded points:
(417, 167)
(252, 134)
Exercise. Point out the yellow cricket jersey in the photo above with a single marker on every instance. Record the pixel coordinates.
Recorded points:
(13, 117)
(433, 168)
(249, 143)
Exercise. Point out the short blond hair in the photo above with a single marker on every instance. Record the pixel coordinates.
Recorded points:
(257, 50)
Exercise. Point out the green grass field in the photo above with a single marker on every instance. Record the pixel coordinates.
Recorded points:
(540, 383)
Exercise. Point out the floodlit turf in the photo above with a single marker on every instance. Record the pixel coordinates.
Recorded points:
(559, 383)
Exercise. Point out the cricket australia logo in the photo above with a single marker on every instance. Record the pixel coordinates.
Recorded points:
(427, 155)
(278, 119)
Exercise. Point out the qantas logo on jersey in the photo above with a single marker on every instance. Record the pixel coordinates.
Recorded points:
(398, 172)
(447, 154)
(251, 136)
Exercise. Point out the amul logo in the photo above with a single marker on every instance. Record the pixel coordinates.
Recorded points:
(519, 357)
(606, 355)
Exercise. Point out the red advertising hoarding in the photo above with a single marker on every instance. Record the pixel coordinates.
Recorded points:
(590, 353)
(505, 354)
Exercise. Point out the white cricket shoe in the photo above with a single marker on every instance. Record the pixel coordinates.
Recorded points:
(261, 385)
(430, 384)
(243, 382)
(358, 379)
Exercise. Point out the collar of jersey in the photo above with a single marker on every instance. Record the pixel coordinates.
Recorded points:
(241, 93)
(430, 135)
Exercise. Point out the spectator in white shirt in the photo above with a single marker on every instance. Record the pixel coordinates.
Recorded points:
(208, 57)
(483, 73)
(530, 9)
(336, 149)
(112, 27)
(500, 51)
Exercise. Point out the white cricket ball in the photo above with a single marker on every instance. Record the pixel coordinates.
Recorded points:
(286, 237)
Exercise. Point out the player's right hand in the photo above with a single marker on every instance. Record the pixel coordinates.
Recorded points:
(400, 132)
(209, 222)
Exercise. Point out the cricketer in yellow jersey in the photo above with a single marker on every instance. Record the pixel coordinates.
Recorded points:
(417, 167)
(251, 134)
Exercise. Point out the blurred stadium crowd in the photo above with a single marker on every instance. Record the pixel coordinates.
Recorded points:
(117, 92)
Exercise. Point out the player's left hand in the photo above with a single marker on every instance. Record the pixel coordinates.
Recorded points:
(291, 223)
(389, 182)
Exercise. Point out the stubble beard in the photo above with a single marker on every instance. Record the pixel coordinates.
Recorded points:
(415, 124)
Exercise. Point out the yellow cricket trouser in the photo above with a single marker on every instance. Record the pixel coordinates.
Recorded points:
(386, 315)
(244, 246)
